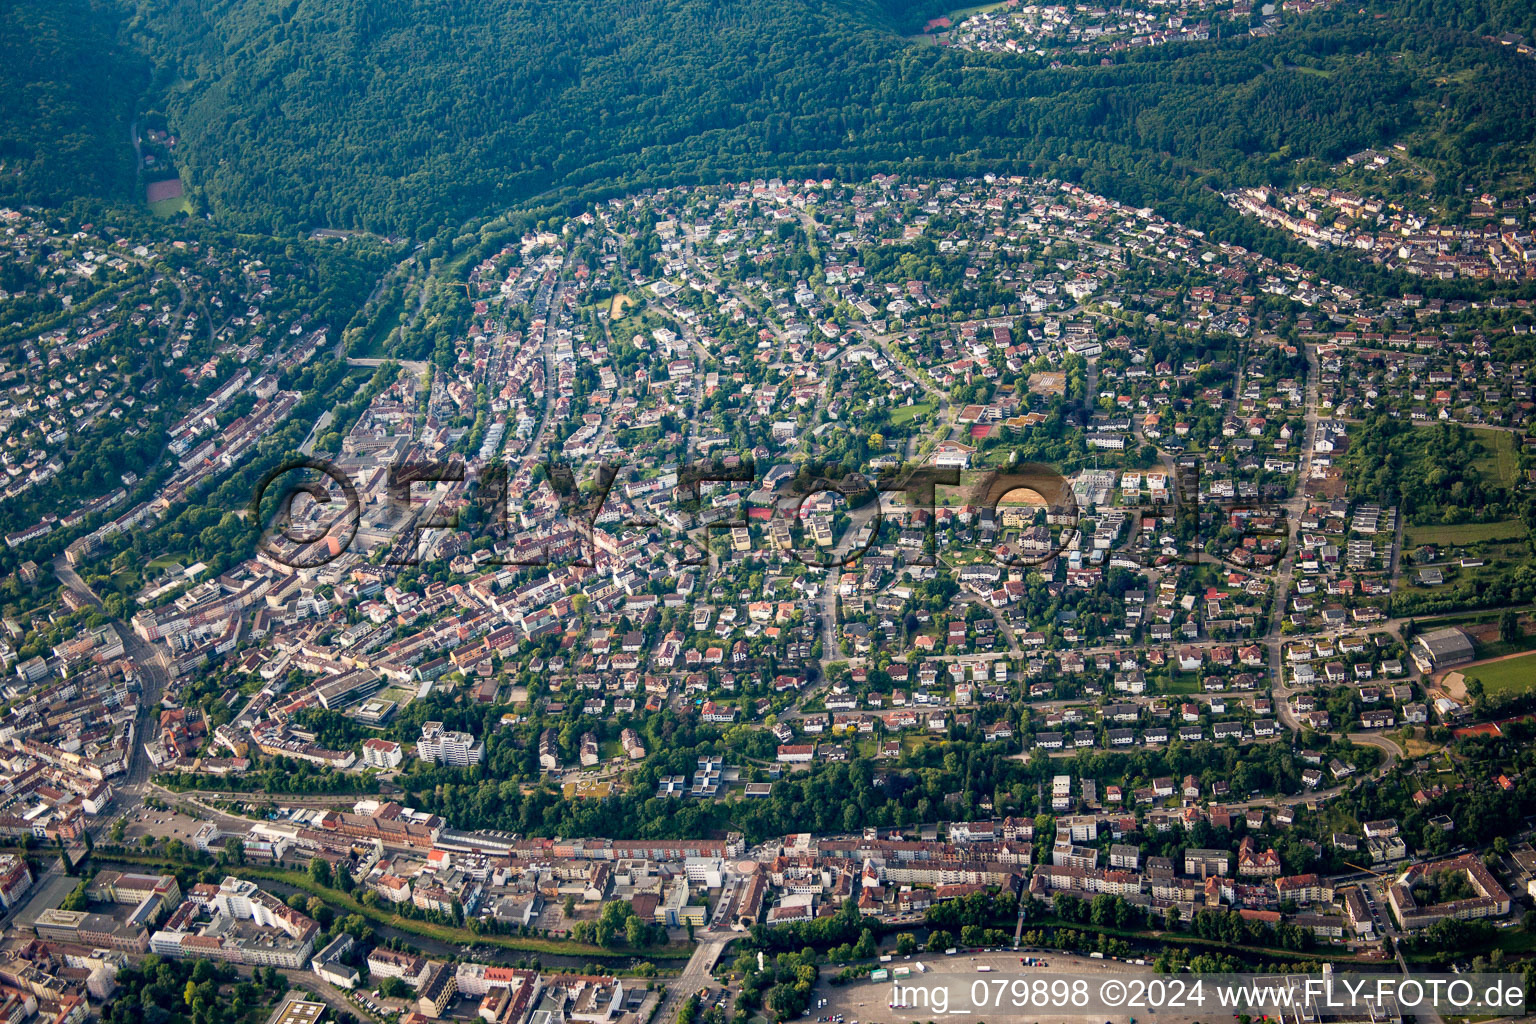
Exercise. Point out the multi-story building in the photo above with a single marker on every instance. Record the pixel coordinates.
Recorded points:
(329, 964)
(388, 963)
(1203, 863)
(1303, 889)
(1491, 899)
(15, 879)
(86, 929)
(381, 753)
(246, 925)
(446, 746)
(437, 991)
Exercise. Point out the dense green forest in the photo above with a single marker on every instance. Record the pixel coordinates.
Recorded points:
(403, 116)
(414, 113)
(1431, 470)
(1483, 17)
(67, 91)
(161, 991)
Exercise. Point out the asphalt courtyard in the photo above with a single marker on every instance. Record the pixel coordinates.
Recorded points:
(964, 979)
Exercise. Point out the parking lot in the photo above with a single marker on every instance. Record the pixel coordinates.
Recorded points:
(160, 826)
(869, 1002)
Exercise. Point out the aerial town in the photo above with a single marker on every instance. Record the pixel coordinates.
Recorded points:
(756, 586)
(1069, 32)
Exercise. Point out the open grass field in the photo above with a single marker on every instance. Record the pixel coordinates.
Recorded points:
(907, 413)
(1503, 554)
(1464, 533)
(384, 327)
(1181, 682)
(961, 13)
(1500, 464)
(1507, 677)
(910, 741)
(630, 324)
(170, 207)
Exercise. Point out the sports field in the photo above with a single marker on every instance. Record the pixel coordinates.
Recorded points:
(1505, 677)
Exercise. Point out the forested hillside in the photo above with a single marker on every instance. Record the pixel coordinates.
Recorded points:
(401, 116)
(1483, 17)
(67, 92)
(403, 110)
(395, 114)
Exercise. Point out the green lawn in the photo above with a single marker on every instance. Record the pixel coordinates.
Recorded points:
(386, 324)
(1181, 682)
(1464, 533)
(961, 13)
(1466, 618)
(1508, 677)
(911, 741)
(170, 207)
(1500, 464)
(907, 413)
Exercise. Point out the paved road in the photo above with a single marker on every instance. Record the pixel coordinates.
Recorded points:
(153, 666)
(827, 599)
(194, 805)
(287, 799)
(1294, 507)
(308, 447)
(695, 975)
(414, 365)
(1003, 629)
(548, 298)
